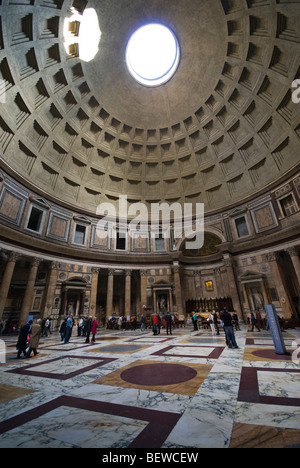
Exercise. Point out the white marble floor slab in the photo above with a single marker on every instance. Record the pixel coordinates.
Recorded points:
(279, 384)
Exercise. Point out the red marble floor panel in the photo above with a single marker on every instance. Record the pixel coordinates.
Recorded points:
(31, 370)
(159, 426)
(249, 387)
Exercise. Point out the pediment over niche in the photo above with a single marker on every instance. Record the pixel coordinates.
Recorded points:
(82, 219)
(161, 284)
(40, 201)
(251, 276)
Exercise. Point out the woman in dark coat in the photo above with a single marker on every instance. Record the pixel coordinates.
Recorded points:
(22, 341)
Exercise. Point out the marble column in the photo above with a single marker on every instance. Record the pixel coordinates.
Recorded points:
(28, 297)
(293, 253)
(265, 292)
(178, 292)
(94, 291)
(247, 304)
(143, 274)
(127, 293)
(110, 294)
(50, 289)
(82, 301)
(63, 302)
(279, 284)
(219, 292)
(228, 261)
(6, 280)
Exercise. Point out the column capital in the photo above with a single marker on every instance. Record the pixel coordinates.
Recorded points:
(228, 262)
(143, 273)
(128, 272)
(13, 257)
(54, 266)
(292, 251)
(36, 261)
(273, 256)
(95, 270)
(111, 272)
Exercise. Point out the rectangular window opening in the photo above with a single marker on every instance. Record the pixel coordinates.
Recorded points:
(80, 233)
(241, 227)
(35, 219)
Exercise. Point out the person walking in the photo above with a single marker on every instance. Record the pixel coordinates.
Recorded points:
(23, 339)
(168, 319)
(228, 328)
(94, 329)
(35, 335)
(253, 322)
(236, 322)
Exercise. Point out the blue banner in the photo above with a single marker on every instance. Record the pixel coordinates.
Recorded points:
(275, 330)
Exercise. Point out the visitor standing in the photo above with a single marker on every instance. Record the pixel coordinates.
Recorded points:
(236, 322)
(45, 327)
(212, 324)
(79, 326)
(143, 325)
(155, 322)
(195, 321)
(216, 323)
(124, 320)
(69, 326)
(88, 328)
(228, 328)
(159, 324)
(62, 329)
(168, 319)
(94, 329)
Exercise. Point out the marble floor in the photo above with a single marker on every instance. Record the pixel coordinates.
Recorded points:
(135, 390)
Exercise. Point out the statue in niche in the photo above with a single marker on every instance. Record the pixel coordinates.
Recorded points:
(70, 308)
(162, 304)
(258, 300)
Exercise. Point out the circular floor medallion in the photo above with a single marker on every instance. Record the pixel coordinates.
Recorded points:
(158, 374)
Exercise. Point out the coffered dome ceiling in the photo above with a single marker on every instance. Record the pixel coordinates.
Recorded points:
(223, 128)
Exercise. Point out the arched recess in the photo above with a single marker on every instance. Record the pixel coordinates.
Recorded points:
(212, 239)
